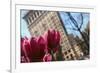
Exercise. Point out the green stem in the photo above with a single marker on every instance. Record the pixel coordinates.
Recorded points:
(60, 56)
(53, 59)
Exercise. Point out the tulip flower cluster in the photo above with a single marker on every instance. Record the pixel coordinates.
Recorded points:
(40, 49)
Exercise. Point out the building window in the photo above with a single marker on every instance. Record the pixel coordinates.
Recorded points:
(72, 58)
(32, 17)
(38, 13)
(29, 20)
(44, 26)
(36, 33)
(35, 14)
(65, 52)
(55, 26)
(53, 19)
(67, 57)
(69, 51)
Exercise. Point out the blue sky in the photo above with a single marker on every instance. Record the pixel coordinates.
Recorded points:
(68, 24)
(24, 27)
(65, 19)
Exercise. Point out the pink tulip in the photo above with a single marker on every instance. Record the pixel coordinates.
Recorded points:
(42, 45)
(34, 49)
(37, 46)
(41, 48)
(53, 39)
(24, 57)
(27, 49)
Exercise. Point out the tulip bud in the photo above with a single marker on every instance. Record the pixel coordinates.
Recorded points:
(53, 39)
(47, 58)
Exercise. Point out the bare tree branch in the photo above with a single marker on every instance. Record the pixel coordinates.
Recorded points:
(81, 21)
(79, 29)
(72, 19)
(72, 29)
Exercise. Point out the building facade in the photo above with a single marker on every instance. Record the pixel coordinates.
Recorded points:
(40, 21)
